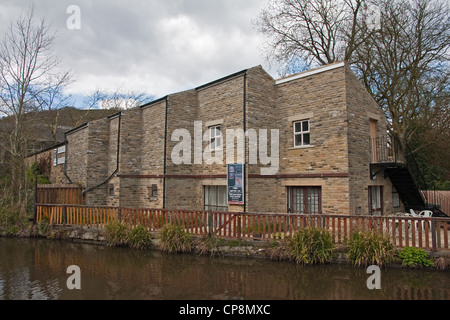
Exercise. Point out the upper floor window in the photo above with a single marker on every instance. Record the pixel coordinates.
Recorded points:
(302, 134)
(215, 138)
(58, 157)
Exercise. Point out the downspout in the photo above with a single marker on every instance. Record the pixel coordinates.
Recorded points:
(245, 140)
(165, 153)
(66, 143)
(117, 160)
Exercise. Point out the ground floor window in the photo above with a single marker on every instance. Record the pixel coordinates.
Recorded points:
(375, 200)
(216, 198)
(304, 200)
(395, 198)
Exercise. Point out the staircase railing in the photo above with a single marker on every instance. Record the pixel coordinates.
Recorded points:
(416, 172)
(385, 150)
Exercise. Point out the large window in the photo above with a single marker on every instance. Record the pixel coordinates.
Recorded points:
(216, 198)
(305, 200)
(215, 138)
(302, 134)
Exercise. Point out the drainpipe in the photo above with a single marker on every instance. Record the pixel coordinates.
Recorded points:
(245, 140)
(67, 157)
(165, 154)
(117, 160)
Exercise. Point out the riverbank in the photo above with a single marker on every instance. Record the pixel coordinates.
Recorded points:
(256, 248)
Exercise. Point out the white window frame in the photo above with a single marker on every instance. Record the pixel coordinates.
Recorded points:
(56, 158)
(214, 138)
(302, 133)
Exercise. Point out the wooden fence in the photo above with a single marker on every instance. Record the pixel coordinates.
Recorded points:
(426, 233)
(440, 198)
(50, 194)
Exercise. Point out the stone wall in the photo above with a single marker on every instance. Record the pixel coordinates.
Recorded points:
(361, 110)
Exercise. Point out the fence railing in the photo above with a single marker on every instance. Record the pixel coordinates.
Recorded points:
(422, 232)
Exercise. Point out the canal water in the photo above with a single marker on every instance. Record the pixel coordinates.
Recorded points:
(36, 269)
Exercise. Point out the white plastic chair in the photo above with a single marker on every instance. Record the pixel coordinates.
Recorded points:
(426, 214)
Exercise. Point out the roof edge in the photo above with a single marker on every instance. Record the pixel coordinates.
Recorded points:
(311, 72)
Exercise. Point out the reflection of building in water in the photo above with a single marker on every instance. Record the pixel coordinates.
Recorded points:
(37, 270)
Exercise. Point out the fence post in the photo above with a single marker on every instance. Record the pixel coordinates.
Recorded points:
(433, 234)
(35, 196)
(209, 221)
(239, 226)
(64, 214)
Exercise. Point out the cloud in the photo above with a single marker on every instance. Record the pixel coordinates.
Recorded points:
(158, 47)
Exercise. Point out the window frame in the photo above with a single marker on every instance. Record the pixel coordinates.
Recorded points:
(302, 133)
(306, 196)
(57, 160)
(214, 138)
(214, 206)
(375, 204)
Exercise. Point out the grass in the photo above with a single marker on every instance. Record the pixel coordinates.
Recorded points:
(174, 239)
(311, 245)
(366, 248)
(122, 234)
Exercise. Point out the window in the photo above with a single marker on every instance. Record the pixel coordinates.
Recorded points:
(154, 191)
(215, 138)
(216, 198)
(395, 198)
(111, 189)
(57, 159)
(302, 134)
(304, 200)
(375, 200)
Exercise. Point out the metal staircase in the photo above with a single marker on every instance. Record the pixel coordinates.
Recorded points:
(404, 173)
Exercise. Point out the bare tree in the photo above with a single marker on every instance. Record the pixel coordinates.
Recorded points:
(110, 101)
(28, 69)
(53, 100)
(315, 31)
(403, 61)
(405, 65)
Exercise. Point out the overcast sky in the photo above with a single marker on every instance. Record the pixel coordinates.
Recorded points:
(157, 46)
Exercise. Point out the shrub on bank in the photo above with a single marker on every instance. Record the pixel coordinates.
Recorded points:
(122, 234)
(369, 248)
(414, 257)
(139, 237)
(13, 217)
(174, 238)
(311, 245)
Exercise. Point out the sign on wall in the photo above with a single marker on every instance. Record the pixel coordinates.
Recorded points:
(235, 185)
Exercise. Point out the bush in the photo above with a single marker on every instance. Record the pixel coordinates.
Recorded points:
(13, 216)
(311, 245)
(121, 234)
(116, 233)
(369, 248)
(414, 257)
(175, 239)
(139, 237)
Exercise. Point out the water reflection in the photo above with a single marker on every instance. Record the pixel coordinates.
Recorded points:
(36, 269)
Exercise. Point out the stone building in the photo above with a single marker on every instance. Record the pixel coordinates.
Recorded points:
(308, 139)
